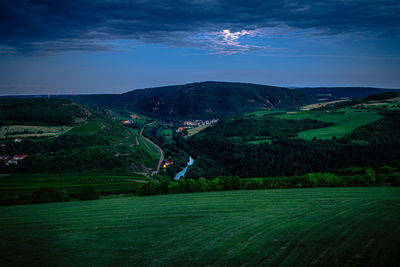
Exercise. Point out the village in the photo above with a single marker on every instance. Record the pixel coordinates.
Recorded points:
(196, 123)
(14, 159)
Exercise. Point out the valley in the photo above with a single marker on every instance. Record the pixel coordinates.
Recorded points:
(65, 140)
(199, 133)
(272, 186)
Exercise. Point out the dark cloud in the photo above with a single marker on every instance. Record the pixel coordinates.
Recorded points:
(48, 26)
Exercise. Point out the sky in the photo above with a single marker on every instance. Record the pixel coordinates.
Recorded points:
(114, 46)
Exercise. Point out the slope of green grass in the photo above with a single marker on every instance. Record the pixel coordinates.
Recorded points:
(86, 129)
(259, 113)
(196, 130)
(149, 148)
(300, 227)
(346, 120)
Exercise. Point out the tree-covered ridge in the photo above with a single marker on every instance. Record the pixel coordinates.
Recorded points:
(40, 111)
(201, 100)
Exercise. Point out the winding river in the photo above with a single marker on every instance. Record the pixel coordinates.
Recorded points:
(181, 174)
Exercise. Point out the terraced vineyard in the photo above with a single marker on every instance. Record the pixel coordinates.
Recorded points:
(107, 182)
(299, 227)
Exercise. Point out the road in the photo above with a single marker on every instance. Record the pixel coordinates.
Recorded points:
(159, 148)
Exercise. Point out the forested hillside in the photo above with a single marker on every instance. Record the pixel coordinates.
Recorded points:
(340, 136)
(55, 135)
(201, 100)
(41, 111)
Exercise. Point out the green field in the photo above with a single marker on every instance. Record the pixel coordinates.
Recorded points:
(292, 227)
(345, 120)
(107, 182)
(87, 129)
(261, 113)
(196, 130)
(167, 133)
(257, 142)
(149, 148)
(13, 131)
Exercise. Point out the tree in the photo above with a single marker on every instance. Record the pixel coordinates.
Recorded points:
(148, 189)
(203, 185)
(89, 192)
(45, 194)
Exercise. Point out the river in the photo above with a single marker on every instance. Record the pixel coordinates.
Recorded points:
(181, 174)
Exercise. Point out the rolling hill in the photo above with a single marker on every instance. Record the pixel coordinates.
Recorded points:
(200, 100)
(57, 135)
(41, 111)
(335, 93)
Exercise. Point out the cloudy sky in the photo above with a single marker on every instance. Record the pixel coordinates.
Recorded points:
(113, 46)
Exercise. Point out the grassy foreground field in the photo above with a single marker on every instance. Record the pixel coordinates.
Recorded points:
(299, 227)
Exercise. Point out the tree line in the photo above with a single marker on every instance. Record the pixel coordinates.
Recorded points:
(355, 176)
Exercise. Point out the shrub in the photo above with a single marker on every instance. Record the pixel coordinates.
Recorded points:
(370, 176)
(89, 192)
(392, 178)
(385, 169)
(203, 185)
(46, 194)
(148, 189)
(253, 183)
(162, 188)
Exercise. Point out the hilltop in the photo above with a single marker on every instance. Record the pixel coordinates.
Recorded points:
(41, 111)
(200, 100)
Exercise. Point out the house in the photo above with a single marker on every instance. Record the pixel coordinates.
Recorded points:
(180, 129)
(127, 122)
(17, 140)
(167, 162)
(14, 159)
(19, 157)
